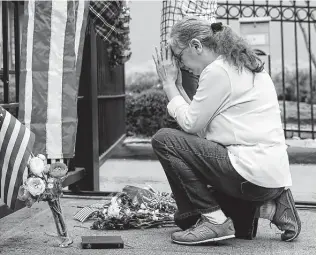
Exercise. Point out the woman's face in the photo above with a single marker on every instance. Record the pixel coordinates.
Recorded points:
(190, 58)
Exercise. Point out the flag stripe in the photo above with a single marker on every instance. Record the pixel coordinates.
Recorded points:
(16, 142)
(81, 17)
(16, 157)
(81, 26)
(18, 135)
(23, 58)
(7, 154)
(19, 167)
(50, 74)
(28, 67)
(3, 145)
(55, 74)
(6, 131)
(40, 67)
(69, 86)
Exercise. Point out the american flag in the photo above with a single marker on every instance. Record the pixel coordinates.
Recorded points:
(52, 42)
(16, 143)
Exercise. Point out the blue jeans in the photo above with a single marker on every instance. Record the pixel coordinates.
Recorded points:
(191, 164)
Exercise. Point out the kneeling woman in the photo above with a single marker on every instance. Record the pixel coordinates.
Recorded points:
(232, 136)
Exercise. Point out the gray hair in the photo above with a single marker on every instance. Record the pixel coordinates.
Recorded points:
(224, 42)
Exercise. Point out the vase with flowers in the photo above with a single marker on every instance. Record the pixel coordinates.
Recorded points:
(44, 183)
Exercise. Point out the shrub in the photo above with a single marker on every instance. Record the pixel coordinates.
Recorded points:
(141, 81)
(146, 113)
(290, 93)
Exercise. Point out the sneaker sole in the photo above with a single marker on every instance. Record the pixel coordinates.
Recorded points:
(205, 241)
(290, 197)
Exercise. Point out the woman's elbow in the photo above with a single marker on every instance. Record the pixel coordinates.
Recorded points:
(191, 128)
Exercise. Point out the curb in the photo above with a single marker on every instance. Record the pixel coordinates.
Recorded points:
(142, 150)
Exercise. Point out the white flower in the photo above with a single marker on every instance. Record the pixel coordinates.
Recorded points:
(128, 212)
(37, 166)
(114, 208)
(155, 217)
(50, 180)
(50, 185)
(35, 186)
(42, 157)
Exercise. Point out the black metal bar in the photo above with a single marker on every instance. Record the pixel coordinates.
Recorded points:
(297, 74)
(296, 130)
(253, 8)
(5, 49)
(106, 96)
(310, 69)
(240, 10)
(17, 48)
(227, 13)
(283, 75)
(94, 112)
(87, 143)
(112, 96)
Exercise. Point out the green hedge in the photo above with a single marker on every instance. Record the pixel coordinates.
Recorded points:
(146, 113)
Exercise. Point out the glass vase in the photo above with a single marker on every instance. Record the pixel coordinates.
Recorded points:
(61, 227)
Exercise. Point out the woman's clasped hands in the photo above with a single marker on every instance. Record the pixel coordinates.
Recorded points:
(166, 66)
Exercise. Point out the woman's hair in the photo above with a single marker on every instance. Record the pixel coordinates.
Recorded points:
(221, 39)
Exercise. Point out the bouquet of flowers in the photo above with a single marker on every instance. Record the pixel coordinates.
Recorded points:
(137, 208)
(44, 183)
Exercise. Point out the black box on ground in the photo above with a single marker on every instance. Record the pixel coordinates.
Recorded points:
(102, 242)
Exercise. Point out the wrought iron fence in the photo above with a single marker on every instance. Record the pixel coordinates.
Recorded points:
(292, 22)
(10, 54)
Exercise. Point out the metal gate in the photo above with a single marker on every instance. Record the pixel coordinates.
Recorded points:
(296, 87)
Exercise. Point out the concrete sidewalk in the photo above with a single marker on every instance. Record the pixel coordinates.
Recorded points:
(24, 233)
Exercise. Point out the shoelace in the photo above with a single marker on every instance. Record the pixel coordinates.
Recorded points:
(199, 221)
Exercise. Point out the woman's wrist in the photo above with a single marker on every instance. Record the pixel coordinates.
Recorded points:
(170, 89)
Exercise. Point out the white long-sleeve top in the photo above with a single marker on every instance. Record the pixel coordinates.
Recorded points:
(241, 112)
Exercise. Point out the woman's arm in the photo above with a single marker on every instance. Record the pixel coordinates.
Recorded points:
(210, 99)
